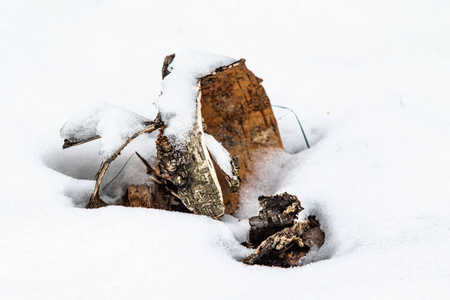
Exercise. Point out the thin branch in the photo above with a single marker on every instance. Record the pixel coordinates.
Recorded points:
(158, 179)
(150, 170)
(69, 143)
(95, 201)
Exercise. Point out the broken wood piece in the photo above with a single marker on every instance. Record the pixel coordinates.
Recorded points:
(167, 61)
(272, 249)
(163, 191)
(145, 196)
(277, 212)
(285, 248)
(280, 239)
(70, 143)
(234, 110)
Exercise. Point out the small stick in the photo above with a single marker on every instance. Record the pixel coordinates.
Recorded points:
(69, 143)
(95, 201)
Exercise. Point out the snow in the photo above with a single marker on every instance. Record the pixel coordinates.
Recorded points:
(179, 92)
(113, 124)
(220, 154)
(368, 80)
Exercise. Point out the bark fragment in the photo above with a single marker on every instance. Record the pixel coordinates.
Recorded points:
(280, 239)
(161, 195)
(274, 250)
(277, 212)
(237, 112)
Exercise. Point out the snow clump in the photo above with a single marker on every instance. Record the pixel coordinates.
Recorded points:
(113, 124)
(177, 103)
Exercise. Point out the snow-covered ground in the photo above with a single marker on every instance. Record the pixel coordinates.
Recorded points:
(368, 79)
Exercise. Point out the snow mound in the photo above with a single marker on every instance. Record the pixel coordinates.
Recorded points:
(112, 123)
(178, 100)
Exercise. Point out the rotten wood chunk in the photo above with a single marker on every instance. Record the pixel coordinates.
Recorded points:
(286, 247)
(155, 196)
(273, 250)
(161, 195)
(280, 239)
(141, 196)
(277, 212)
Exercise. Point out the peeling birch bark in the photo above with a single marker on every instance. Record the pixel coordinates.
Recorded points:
(191, 169)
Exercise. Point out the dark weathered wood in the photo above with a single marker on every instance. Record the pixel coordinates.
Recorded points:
(147, 196)
(280, 239)
(285, 248)
(266, 253)
(277, 212)
(167, 61)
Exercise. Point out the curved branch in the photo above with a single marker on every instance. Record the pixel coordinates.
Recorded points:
(95, 201)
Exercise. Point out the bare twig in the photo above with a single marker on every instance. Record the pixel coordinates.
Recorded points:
(158, 179)
(95, 201)
(69, 143)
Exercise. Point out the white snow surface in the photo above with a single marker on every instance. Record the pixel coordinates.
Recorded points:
(180, 89)
(219, 153)
(368, 80)
(113, 124)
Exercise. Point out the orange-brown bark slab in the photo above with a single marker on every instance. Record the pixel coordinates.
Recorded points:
(237, 112)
